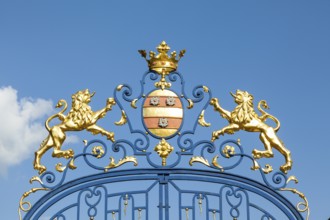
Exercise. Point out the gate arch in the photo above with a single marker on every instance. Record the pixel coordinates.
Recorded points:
(163, 178)
(166, 187)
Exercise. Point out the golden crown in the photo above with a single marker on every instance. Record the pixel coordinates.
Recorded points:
(162, 62)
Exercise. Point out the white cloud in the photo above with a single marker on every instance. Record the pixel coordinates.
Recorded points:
(21, 126)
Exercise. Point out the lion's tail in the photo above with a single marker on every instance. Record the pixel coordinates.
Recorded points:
(60, 103)
(264, 115)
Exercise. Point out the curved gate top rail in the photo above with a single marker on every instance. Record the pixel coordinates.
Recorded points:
(162, 144)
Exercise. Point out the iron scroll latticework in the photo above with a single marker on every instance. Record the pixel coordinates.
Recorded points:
(162, 185)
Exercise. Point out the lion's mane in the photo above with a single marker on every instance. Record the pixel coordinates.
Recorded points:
(244, 111)
(81, 113)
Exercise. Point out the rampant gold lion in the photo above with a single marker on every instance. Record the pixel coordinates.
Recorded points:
(243, 117)
(79, 118)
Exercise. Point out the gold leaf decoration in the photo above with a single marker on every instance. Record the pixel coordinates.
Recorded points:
(35, 179)
(113, 165)
(123, 119)
(133, 103)
(228, 151)
(255, 165)
(292, 178)
(98, 151)
(206, 89)
(201, 120)
(191, 104)
(71, 165)
(198, 159)
(216, 164)
(268, 169)
(119, 87)
(59, 167)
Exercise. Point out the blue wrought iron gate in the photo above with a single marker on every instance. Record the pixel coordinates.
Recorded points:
(91, 197)
(163, 186)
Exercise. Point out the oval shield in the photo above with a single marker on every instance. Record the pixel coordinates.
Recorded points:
(162, 113)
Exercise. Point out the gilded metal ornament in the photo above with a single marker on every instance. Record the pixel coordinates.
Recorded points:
(133, 103)
(122, 161)
(228, 151)
(162, 63)
(26, 206)
(199, 159)
(123, 119)
(163, 119)
(59, 167)
(201, 120)
(243, 117)
(98, 151)
(301, 206)
(119, 87)
(163, 84)
(190, 104)
(79, 118)
(202, 160)
(255, 165)
(268, 169)
(35, 179)
(292, 178)
(71, 165)
(206, 89)
(216, 164)
(163, 149)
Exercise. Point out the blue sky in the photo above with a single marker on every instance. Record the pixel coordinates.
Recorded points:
(276, 50)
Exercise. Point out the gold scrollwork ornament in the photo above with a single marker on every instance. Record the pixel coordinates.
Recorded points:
(24, 205)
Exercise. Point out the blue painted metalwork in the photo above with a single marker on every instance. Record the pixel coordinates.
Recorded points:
(163, 179)
(174, 191)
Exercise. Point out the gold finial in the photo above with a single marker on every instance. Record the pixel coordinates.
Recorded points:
(162, 62)
(163, 149)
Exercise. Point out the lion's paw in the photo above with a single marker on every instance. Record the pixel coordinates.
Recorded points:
(111, 136)
(215, 135)
(213, 101)
(68, 154)
(256, 154)
(284, 168)
(41, 169)
(230, 132)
